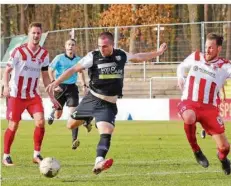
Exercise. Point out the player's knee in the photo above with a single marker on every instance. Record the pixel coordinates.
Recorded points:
(40, 123)
(189, 117)
(70, 127)
(72, 124)
(224, 147)
(13, 126)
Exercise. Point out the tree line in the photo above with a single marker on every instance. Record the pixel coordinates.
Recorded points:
(16, 18)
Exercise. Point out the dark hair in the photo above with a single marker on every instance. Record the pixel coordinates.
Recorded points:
(35, 24)
(214, 36)
(107, 35)
(71, 40)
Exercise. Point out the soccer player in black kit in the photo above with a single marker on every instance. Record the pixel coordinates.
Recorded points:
(106, 72)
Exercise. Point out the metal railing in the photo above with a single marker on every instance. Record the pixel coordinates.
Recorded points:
(149, 37)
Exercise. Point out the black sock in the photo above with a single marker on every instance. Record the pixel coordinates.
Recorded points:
(75, 133)
(103, 145)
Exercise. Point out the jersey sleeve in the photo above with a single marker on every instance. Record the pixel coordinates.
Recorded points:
(228, 70)
(186, 64)
(46, 61)
(54, 62)
(86, 61)
(14, 58)
(129, 56)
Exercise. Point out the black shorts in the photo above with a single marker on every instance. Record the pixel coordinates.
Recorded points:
(69, 95)
(91, 106)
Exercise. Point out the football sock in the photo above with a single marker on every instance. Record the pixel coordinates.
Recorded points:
(36, 153)
(5, 156)
(8, 140)
(222, 154)
(190, 131)
(98, 159)
(38, 137)
(103, 145)
(75, 133)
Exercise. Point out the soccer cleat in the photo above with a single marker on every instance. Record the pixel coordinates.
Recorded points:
(8, 162)
(87, 124)
(102, 165)
(75, 144)
(50, 119)
(201, 159)
(203, 134)
(88, 127)
(37, 159)
(225, 164)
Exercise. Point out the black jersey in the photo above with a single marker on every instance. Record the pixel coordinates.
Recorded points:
(107, 73)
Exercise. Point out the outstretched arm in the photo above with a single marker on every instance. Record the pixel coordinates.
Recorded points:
(140, 57)
(77, 68)
(68, 73)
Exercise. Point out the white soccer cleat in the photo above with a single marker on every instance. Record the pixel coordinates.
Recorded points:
(102, 166)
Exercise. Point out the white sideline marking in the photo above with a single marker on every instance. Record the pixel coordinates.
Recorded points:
(84, 176)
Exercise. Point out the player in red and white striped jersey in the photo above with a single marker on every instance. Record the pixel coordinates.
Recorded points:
(207, 74)
(25, 65)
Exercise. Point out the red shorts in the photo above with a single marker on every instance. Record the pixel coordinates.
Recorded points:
(16, 106)
(207, 115)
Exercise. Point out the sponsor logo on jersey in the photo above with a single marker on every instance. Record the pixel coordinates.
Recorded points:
(109, 71)
(32, 69)
(196, 68)
(118, 58)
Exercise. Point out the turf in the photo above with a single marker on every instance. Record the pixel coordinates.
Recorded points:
(145, 154)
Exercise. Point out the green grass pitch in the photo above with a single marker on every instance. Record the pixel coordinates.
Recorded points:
(145, 154)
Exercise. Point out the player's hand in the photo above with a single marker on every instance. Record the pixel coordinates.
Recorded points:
(58, 89)
(6, 91)
(56, 104)
(162, 49)
(50, 89)
(181, 83)
(85, 90)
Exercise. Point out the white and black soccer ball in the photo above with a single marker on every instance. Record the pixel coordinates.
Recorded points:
(49, 167)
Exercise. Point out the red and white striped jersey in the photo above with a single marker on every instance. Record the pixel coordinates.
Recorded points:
(26, 71)
(204, 79)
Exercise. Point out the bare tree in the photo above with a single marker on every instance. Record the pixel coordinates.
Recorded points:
(228, 45)
(86, 25)
(193, 17)
(132, 42)
(55, 17)
(6, 20)
(22, 19)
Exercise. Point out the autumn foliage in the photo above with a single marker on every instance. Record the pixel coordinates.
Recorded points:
(121, 15)
(142, 38)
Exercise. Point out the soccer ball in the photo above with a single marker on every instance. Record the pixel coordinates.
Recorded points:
(49, 167)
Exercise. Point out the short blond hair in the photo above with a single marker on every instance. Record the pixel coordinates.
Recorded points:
(35, 24)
